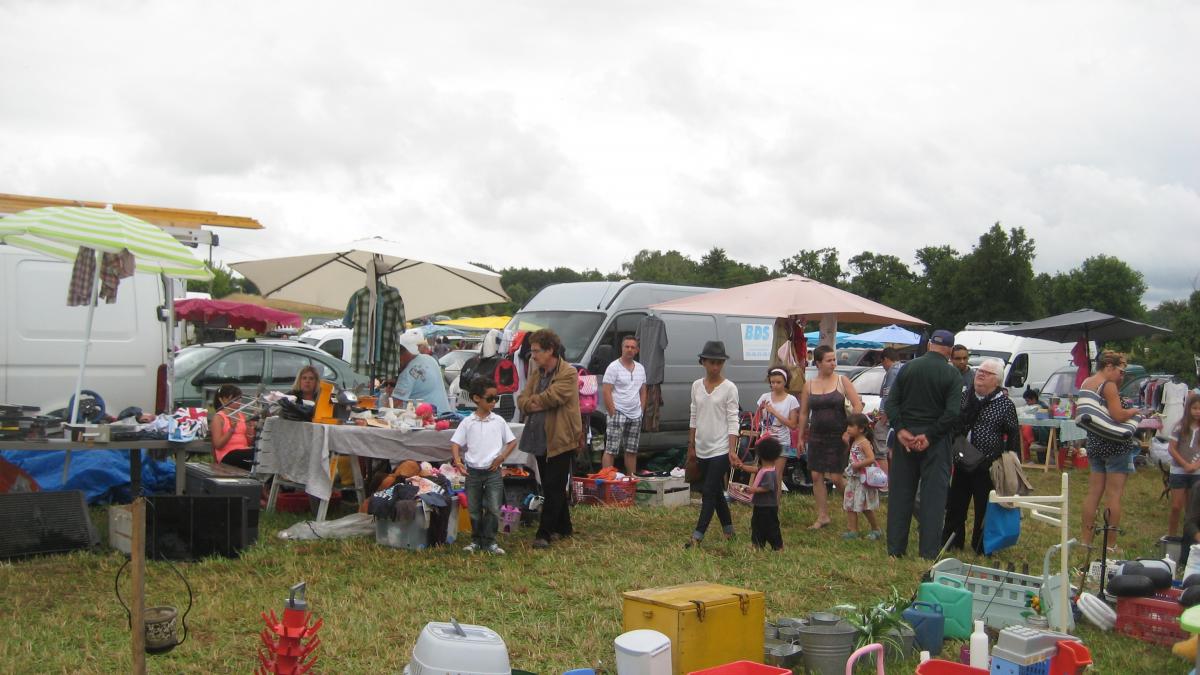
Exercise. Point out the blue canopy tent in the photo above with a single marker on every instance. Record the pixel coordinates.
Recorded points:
(844, 340)
(893, 334)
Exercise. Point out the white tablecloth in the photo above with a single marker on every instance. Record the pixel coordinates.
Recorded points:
(301, 451)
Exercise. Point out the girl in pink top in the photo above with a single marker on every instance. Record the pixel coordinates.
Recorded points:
(232, 433)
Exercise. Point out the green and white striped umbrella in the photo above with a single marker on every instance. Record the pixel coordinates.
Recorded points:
(59, 231)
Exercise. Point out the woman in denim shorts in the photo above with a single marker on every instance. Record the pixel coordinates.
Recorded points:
(1111, 461)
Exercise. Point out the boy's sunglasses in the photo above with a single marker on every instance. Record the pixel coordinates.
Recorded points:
(490, 399)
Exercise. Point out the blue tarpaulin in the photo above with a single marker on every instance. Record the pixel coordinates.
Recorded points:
(102, 475)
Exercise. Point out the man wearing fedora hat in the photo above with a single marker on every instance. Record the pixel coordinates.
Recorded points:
(712, 437)
(922, 408)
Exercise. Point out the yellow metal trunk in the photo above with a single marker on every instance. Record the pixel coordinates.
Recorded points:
(709, 624)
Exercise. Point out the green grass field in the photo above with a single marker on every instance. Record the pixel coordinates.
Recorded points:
(557, 609)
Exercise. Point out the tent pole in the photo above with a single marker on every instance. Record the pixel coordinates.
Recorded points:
(87, 342)
(828, 329)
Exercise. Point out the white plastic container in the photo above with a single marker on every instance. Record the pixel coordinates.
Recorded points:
(643, 652)
(1193, 565)
(462, 649)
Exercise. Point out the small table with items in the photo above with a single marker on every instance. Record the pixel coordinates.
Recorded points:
(301, 452)
(1062, 430)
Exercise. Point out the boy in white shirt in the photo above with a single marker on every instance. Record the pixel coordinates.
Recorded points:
(488, 442)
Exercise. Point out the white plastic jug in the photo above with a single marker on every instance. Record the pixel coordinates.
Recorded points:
(1193, 565)
(643, 652)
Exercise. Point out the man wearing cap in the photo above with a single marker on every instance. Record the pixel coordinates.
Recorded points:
(420, 379)
(922, 407)
(712, 438)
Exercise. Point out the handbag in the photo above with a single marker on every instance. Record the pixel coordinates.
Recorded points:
(966, 454)
(845, 399)
(1091, 414)
(1001, 527)
(794, 366)
(740, 492)
(588, 392)
(875, 477)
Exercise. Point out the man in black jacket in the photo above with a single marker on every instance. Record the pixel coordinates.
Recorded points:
(922, 408)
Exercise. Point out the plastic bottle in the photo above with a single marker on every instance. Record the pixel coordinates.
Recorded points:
(979, 647)
(924, 656)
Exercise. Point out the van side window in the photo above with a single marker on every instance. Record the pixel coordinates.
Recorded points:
(1018, 372)
(618, 328)
(243, 366)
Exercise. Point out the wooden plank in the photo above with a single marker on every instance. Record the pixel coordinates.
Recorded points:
(158, 215)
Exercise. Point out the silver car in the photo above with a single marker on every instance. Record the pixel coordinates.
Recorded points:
(254, 367)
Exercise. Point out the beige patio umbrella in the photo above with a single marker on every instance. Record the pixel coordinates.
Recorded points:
(792, 296)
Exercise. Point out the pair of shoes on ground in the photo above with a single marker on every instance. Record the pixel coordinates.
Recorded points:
(494, 549)
(873, 535)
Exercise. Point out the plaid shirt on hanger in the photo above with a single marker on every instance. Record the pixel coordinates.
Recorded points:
(389, 321)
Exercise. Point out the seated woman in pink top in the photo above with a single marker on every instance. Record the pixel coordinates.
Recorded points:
(232, 434)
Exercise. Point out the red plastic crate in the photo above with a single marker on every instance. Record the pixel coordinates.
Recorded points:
(298, 501)
(605, 492)
(1154, 619)
(742, 668)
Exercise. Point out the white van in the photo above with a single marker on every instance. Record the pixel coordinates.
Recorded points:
(41, 338)
(592, 317)
(1027, 361)
(337, 342)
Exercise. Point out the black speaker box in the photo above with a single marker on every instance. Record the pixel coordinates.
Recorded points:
(228, 481)
(193, 527)
(40, 523)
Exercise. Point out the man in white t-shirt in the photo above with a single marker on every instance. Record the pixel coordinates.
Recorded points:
(624, 399)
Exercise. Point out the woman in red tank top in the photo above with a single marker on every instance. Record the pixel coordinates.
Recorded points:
(232, 434)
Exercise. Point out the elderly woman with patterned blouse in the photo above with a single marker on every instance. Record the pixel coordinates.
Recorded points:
(989, 421)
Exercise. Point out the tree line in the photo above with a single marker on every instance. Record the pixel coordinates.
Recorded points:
(993, 281)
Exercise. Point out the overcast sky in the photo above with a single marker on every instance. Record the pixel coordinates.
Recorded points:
(570, 133)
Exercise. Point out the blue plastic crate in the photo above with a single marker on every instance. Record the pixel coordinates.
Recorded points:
(1002, 666)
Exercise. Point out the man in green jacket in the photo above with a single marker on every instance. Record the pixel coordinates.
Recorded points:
(922, 407)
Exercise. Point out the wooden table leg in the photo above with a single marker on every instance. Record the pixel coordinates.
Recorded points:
(137, 562)
(180, 470)
(1051, 448)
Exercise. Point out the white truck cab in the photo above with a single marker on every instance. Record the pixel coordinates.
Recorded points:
(1027, 361)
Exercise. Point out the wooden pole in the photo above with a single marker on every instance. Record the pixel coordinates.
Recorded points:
(138, 581)
(137, 559)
